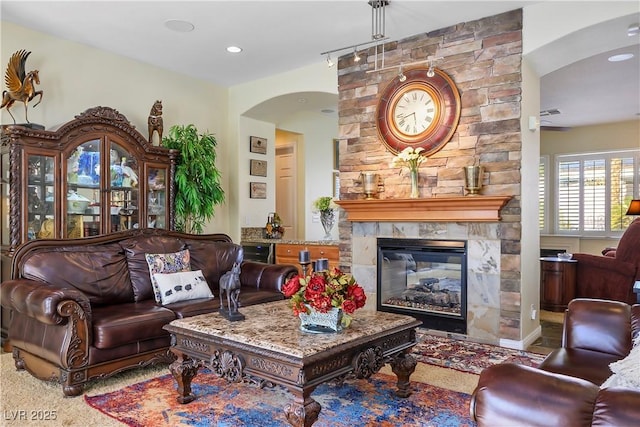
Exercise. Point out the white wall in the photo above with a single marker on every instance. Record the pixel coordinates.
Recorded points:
(530, 252)
(75, 77)
(317, 163)
(314, 78)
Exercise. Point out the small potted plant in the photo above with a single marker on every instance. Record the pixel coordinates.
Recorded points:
(326, 206)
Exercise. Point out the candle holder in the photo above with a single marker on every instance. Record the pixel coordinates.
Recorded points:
(305, 267)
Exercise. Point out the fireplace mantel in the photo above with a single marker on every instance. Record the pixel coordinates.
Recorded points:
(444, 209)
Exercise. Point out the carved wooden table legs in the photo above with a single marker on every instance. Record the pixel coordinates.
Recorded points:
(183, 370)
(403, 365)
(302, 414)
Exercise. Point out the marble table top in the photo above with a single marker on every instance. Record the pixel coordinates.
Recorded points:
(273, 326)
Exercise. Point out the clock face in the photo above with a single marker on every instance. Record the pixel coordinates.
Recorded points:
(414, 111)
(421, 111)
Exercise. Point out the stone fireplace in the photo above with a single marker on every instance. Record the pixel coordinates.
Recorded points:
(475, 220)
(484, 60)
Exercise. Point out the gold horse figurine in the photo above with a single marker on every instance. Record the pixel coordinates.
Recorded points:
(20, 85)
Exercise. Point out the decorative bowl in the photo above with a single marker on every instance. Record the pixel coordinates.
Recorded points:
(565, 256)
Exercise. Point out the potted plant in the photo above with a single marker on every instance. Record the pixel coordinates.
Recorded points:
(198, 188)
(326, 206)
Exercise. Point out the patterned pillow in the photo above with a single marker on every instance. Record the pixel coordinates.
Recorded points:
(182, 286)
(167, 263)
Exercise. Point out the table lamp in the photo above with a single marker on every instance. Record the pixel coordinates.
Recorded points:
(634, 207)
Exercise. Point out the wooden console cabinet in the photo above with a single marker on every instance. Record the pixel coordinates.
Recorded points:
(288, 253)
(557, 283)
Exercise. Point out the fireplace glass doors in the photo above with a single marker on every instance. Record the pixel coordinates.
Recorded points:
(425, 279)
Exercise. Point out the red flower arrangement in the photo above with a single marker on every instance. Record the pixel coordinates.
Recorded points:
(323, 291)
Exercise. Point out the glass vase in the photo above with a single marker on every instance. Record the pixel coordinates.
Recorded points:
(414, 184)
(317, 322)
(328, 219)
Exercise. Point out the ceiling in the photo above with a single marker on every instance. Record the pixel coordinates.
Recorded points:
(277, 36)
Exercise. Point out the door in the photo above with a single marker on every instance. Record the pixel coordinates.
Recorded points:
(286, 200)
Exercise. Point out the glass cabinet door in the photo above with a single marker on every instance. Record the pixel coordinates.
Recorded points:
(40, 197)
(83, 191)
(123, 185)
(157, 197)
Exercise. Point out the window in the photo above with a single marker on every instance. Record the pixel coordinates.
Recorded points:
(592, 192)
(543, 194)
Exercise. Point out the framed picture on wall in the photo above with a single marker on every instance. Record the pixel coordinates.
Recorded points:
(258, 145)
(258, 190)
(258, 167)
(336, 185)
(336, 154)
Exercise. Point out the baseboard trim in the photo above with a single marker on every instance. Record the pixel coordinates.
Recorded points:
(524, 344)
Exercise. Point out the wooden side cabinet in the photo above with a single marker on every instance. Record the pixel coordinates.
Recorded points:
(557, 283)
(287, 253)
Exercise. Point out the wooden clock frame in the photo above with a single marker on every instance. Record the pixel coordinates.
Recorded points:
(446, 98)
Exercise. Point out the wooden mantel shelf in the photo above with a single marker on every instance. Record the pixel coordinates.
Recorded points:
(445, 209)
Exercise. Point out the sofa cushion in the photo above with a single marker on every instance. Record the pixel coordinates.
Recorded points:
(589, 365)
(135, 250)
(214, 259)
(122, 324)
(100, 272)
(182, 286)
(166, 263)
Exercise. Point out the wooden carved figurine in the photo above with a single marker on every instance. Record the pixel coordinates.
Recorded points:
(155, 122)
(20, 85)
(230, 285)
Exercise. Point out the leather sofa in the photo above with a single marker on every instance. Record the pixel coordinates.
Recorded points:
(565, 389)
(613, 275)
(84, 308)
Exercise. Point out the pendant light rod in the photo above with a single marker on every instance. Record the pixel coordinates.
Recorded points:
(404, 65)
(356, 46)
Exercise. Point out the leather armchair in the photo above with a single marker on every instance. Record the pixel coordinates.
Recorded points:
(613, 275)
(565, 389)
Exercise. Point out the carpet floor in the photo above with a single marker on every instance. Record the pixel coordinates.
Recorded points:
(23, 398)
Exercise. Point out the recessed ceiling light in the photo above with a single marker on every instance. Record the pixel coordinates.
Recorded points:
(620, 57)
(327, 111)
(234, 49)
(179, 25)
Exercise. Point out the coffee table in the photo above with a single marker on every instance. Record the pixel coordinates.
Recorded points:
(268, 348)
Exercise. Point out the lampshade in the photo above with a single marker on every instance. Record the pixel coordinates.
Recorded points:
(634, 207)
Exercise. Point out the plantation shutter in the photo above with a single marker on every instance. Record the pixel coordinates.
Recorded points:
(569, 184)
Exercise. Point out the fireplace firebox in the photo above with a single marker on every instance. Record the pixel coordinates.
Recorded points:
(426, 279)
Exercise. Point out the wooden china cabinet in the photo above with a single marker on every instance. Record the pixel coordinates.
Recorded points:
(94, 175)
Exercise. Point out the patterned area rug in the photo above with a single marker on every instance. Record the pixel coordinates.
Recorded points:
(467, 356)
(369, 402)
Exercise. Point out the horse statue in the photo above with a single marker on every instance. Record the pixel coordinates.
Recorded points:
(20, 85)
(155, 122)
(230, 285)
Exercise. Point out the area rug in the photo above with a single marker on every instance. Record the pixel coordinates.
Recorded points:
(369, 402)
(468, 356)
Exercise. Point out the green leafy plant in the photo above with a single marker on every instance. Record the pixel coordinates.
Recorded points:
(324, 203)
(198, 188)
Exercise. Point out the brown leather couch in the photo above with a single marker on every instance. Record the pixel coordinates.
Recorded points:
(84, 308)
(565, 389)
(613, 275)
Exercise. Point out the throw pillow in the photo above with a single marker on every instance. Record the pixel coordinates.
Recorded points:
(167, 263)
(183, 286)
(626, 372)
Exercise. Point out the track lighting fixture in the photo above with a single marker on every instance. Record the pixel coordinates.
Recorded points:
(356, 57)
(401, 75)
(329, 61)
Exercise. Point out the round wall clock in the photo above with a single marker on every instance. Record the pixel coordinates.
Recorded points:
(421, 111)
